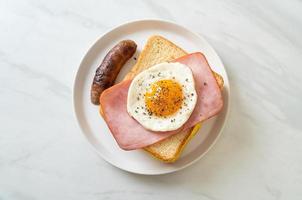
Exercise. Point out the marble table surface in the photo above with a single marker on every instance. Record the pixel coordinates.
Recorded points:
(43, 154)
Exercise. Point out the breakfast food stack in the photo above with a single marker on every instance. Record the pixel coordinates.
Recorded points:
(162, 101)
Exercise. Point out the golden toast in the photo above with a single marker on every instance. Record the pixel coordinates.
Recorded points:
(158, 50)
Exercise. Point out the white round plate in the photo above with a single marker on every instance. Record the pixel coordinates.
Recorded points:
(95, 128)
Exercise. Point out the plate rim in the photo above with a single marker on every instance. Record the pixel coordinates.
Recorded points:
(102, 155)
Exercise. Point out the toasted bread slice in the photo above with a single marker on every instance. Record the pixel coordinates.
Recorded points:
(158, 50)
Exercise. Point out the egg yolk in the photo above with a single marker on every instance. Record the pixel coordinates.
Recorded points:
(164, 98)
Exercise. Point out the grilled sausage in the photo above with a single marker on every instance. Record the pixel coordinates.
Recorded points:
(107, 72)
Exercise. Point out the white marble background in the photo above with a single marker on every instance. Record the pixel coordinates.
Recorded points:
(43, 154)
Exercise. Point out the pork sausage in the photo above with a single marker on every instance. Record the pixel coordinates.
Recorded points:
(107, 72)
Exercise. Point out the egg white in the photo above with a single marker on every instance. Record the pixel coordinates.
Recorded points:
(141, 84)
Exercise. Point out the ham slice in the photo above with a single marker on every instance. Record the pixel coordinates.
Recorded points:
(130, 135)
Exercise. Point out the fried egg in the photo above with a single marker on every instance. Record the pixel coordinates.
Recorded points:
(163, 97)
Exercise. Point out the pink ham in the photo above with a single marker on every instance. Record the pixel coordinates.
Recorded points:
(130, 135)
